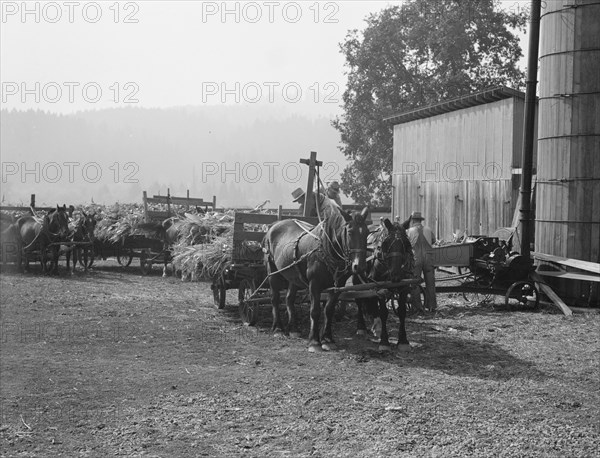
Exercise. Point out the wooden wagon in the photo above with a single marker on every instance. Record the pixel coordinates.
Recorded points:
(147, 250)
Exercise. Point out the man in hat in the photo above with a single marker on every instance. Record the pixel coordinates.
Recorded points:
(324, 203)
(333, 192)
(422, 238)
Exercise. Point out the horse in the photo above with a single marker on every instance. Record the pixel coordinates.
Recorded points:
(51, 229)
(316, 257)
(393, 261)
(82, 230)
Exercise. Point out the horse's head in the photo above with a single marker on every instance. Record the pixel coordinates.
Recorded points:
(391, 253)
(88, 226)
(356, 239)
(57, 223)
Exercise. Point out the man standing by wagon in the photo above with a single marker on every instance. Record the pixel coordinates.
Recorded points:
(422, 238)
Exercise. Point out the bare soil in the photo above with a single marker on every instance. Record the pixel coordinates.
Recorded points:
(113, 363)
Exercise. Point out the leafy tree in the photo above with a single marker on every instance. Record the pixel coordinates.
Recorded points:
(414, 55)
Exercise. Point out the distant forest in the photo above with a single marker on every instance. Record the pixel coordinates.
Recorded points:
(242, 154)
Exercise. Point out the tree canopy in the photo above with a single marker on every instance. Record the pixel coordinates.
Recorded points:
(411, 56)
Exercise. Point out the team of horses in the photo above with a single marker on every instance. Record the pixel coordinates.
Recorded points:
(316, 258)
(298, 256)
(45, 238)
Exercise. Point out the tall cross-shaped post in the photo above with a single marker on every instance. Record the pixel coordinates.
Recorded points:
(312, 163)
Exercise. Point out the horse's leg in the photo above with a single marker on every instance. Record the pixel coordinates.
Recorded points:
(328, 343)
(276, 301)
(290, 298)
(68, 256)
(384, 343)
(361, 327)
(44, 257)
(403, 343)
(84, 258)
(55, 255)
(314, 340)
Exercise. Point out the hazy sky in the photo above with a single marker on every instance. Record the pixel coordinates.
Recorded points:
(69, 56)
(160, 54)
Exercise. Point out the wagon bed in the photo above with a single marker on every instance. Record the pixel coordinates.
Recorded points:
(147, 250)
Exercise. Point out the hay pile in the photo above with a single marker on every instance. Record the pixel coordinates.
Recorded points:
(204, 246)
(117, 222)
(210, 254)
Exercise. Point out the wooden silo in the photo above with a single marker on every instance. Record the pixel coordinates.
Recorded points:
(568, 160)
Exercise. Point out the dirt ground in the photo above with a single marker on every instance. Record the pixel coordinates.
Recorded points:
(112, 363)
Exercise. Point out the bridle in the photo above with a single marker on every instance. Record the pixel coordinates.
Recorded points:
(81, 229)
(383, 257)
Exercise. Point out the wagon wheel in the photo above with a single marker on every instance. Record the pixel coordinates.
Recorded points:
(90, 259)
(145, 263)
(125, 257)
(340, 310)
(476, 297)
(248, 310)
(522, 293)
(414, 297)
(219, 292)
(48, 266)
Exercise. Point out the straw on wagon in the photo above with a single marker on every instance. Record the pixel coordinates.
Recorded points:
(208, 260)
(118, 222)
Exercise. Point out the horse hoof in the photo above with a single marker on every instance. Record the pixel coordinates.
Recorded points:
(384, 348)
(295, 335)
(314, 349)
(278, 333)
(404, 347)
(329, 346)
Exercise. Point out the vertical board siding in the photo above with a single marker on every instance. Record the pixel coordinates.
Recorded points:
(463, 161)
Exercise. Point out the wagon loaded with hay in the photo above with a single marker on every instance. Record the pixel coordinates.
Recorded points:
(230, 256)
(119, 234)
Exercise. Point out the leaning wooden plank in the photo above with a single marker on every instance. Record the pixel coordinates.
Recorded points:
(593, 267)
(551, 294)
(570, 275)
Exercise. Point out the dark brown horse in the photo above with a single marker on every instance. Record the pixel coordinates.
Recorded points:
(82, 230)
(39, 234)
(319, 257)
(393, 261)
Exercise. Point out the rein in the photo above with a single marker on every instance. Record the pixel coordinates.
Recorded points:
(45, 230)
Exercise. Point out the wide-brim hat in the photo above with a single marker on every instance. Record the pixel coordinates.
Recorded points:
(416, 216)
(297, 193)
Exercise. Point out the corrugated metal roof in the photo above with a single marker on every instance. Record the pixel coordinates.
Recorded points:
(489, 95)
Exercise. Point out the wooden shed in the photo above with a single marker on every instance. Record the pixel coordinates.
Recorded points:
(458, 162)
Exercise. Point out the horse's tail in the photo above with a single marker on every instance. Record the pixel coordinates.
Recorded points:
(268, 256)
